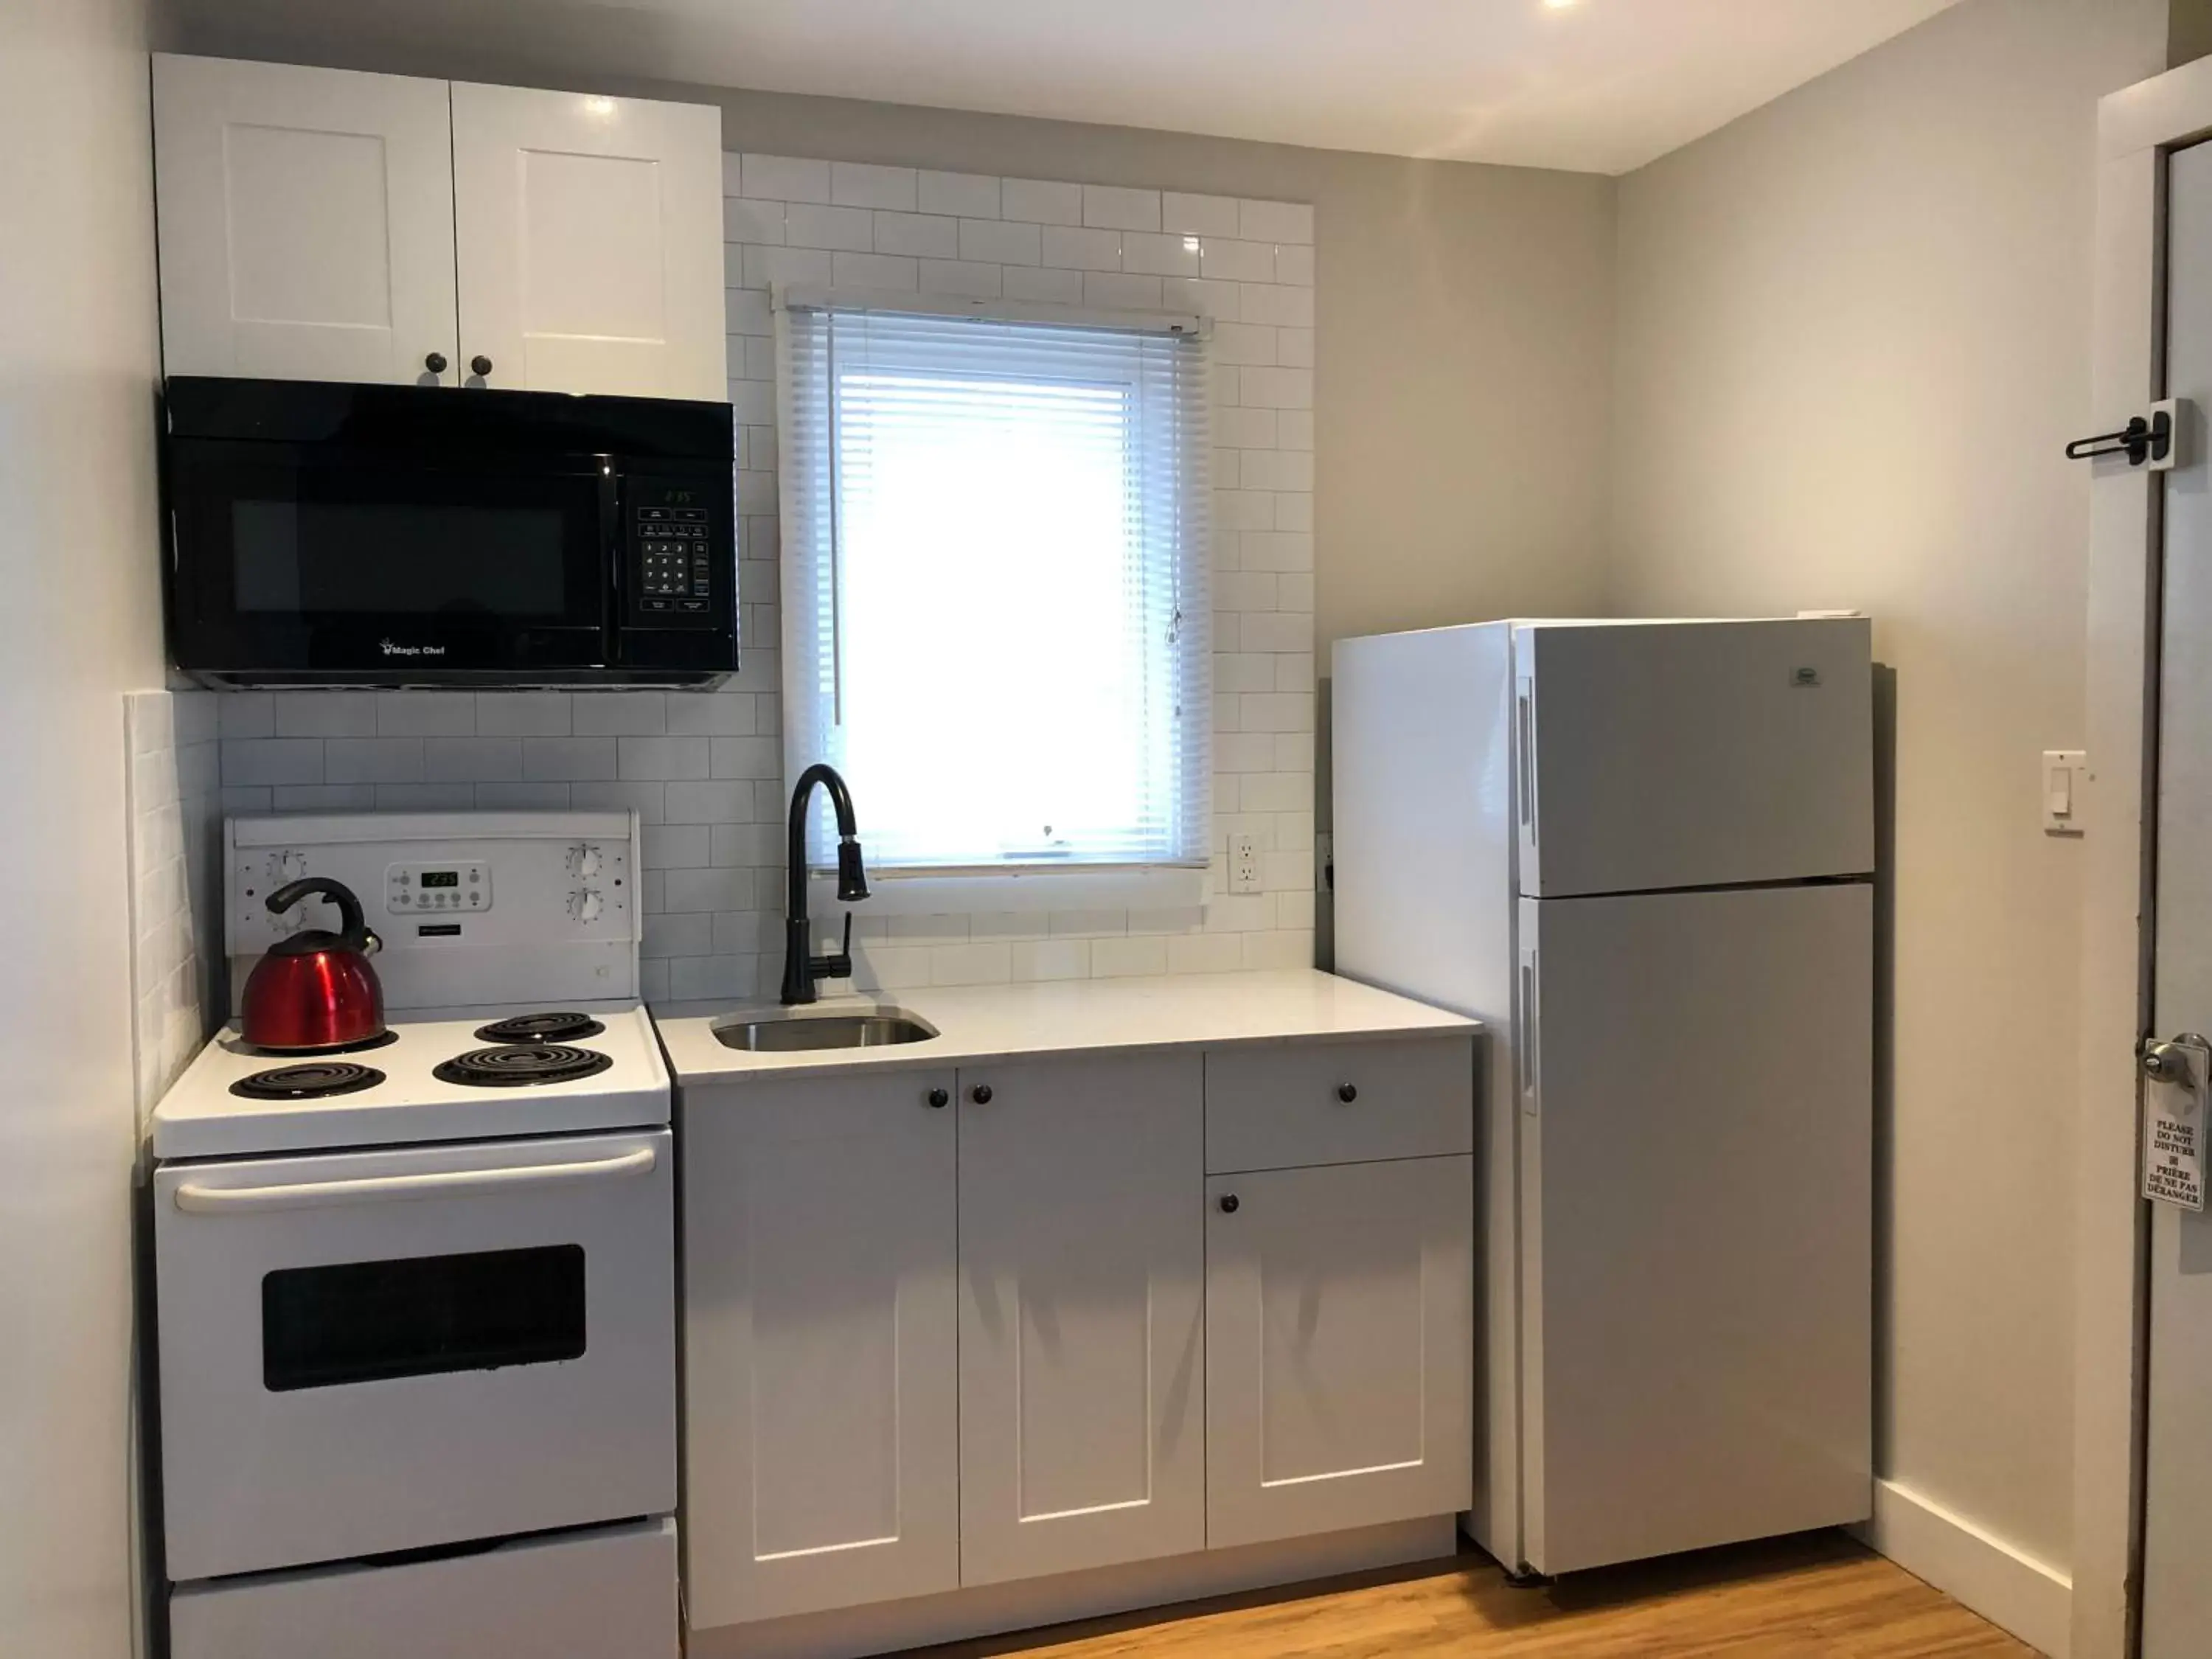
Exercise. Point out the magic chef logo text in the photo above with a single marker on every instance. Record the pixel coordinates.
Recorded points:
(392, 650)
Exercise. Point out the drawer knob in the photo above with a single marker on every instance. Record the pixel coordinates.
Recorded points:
(980, 1094)
(1229, 1204)
(435, 362)
(937, 1098)
(1346, 1093)
(480, 364)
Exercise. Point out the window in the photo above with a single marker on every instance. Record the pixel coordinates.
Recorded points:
(995, 566)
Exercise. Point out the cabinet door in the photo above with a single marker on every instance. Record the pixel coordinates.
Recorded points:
(1339, 1344)
(307, 222)
(590, 242)
(819, 1356)
(1082, 1381)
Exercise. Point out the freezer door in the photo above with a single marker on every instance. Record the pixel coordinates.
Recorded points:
(1696, 1220)
(1666, 754)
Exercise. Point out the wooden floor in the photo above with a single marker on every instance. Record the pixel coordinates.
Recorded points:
(1821, 1595)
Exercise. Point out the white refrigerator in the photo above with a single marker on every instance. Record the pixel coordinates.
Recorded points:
(1641, 853)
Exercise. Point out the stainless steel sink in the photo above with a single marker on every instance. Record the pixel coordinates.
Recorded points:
(792, 1030)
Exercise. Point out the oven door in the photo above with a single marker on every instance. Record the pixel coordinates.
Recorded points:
(369, 1351)
(315, 564)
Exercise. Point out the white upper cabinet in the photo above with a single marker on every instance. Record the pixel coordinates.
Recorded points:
(1082, 1261)
(307, 222)
(317, 224)
(590, 239)
(821, 1460)
(1340, 1336)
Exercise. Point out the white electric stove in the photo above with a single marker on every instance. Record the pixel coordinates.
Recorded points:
(417, 1298)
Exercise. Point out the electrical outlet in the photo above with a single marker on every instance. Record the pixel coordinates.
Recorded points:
(1244, 864)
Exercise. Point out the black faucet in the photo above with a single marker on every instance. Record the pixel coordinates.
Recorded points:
(801, 967)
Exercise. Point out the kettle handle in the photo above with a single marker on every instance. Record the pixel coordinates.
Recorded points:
(353, 928)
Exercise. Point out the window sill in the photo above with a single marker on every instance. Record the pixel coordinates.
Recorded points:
(931, 894)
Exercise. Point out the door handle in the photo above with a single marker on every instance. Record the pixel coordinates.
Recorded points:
(2178, 1062)
(399, 1188)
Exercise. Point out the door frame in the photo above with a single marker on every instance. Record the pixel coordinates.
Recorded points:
(2137, 128)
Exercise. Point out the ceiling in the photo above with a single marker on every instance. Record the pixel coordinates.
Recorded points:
(1598, 86)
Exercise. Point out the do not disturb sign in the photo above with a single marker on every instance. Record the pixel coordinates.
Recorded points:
(2176, 1076)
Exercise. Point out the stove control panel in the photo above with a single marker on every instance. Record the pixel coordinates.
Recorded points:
(420, 889)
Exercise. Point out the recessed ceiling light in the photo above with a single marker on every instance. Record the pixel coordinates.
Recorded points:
(1557, 5)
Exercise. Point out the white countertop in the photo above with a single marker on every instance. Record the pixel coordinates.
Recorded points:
(1072, 1016)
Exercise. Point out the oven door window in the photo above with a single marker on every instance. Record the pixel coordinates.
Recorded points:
(299, 557)
(365, 1321)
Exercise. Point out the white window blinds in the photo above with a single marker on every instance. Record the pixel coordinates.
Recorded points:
(996, 624)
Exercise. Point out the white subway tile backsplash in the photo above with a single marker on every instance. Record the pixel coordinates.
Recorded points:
(373, 760)
(1037, 201)
(884, 270)
(1119, 209)
(1042, 287)
(568, 759)
(999, 241)
(968, 279)
(271, 760)
(1120, 290)
(809, 225)
(425, 797)
(704, 770)
(1159, 256)
(1198, 215)
(857, 184)
(1075, 248)
(786, 179)
(326, 714)
(961, 195)
(753, 221)
(619, 714)
(1236, 262)
(1272, 302)
(929, 236)
(1275, 221)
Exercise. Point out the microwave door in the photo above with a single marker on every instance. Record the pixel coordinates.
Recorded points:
(310, 564)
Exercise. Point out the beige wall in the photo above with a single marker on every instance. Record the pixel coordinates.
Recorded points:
(80, 625)
(1853, 337)
(2188, 32)
(1463, 363)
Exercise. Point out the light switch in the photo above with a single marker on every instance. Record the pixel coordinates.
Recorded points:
(2065, 774)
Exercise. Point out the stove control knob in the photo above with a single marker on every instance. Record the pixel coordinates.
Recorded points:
(584, 904)
(584, 862)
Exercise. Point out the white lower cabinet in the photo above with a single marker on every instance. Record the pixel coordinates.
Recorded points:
(819, 1360)
(945, 1330)
(1082, 1269)
(1339, 1344)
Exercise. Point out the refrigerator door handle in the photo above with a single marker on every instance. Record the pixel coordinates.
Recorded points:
(1527, 1070)
(1524, 732)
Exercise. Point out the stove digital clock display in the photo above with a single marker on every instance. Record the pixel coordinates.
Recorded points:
(441, 878)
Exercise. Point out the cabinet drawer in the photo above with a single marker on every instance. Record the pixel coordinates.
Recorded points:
(1339, 1102)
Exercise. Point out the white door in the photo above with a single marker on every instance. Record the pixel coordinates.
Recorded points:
(307, 222)
(1696, 1219)
(1082, 1263)
(1672, 755)
(1340, 1342)
(589, 233)
(821, 1428)
(377, 1351)
(2178, 1480)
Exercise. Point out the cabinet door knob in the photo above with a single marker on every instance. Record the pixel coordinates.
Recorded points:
(937, 1098)
(1229, 1203)
(480, 364)
(980, 1094)
(435, 362)
(1346, 1093)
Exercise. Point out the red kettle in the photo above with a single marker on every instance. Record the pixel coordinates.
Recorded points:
(316, 989)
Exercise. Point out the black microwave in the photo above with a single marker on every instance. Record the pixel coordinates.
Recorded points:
(324, 534)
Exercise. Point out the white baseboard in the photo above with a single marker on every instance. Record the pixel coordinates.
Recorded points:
(2030, 1598)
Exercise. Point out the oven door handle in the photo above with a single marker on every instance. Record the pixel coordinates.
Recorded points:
(385, 1189)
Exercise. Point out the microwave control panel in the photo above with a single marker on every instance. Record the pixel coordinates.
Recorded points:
(673, 576)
